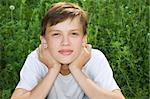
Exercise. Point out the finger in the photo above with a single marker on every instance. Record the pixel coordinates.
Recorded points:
(41, 47)
(44, 44)
(39, 51)
(85, 48)
(84, 44)
(88, 48)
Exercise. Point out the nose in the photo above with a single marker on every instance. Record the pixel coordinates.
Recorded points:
(65, 41)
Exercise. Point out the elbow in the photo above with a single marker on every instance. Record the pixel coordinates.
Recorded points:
(122, 97)
(108, 97)
(119, 97)
(24, 96)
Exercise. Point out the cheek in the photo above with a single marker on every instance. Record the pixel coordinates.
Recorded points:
(53, 42)
(52, 45)
(77, 46)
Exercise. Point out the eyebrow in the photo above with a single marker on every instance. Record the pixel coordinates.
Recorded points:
(53, 30)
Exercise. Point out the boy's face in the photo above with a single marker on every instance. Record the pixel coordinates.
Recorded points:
(64, 40)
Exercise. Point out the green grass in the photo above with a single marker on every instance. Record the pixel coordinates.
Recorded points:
(119, 28)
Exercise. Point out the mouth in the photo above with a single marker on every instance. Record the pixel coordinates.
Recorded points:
(65, 52)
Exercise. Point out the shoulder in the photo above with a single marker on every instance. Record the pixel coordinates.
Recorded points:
(98, 59)
(32, 63)
(97, 56)
(97, 63)
(33, 54)
(33, 57)
(95, 53)
(31, 60)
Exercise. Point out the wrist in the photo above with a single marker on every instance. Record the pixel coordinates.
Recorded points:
(50, 65)
(53, 70)
(74, 68)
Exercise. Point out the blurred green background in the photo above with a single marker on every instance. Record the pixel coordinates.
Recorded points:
(119, 28)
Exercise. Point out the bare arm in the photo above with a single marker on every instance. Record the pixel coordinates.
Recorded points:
(40, 91)
(91, 89)
(43, 87)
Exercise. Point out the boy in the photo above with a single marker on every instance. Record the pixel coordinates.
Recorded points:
(64, 66)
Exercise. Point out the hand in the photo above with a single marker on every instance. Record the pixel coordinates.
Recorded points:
(46, 58)
(83, 58)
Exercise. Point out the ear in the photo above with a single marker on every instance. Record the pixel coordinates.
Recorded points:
(43, 40)
(85, 39)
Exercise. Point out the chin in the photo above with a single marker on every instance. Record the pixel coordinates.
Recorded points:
(65, 62)
(65, 59)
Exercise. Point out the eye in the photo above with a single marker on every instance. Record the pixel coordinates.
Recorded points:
(74, 33)
(56, 34)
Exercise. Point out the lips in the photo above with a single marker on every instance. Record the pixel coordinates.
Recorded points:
(65, 52)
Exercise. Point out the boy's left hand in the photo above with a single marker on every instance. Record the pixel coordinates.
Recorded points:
(83, 58)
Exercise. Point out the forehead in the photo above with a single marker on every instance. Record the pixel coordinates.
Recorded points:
(68, 24)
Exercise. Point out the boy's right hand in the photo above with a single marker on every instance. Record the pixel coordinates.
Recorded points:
(46, 58)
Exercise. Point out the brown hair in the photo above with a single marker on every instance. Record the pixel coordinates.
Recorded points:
(59, 12)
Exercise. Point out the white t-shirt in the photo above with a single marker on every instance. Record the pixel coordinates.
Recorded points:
(66, 87)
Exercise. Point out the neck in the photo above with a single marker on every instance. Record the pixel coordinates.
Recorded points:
(64, 69)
